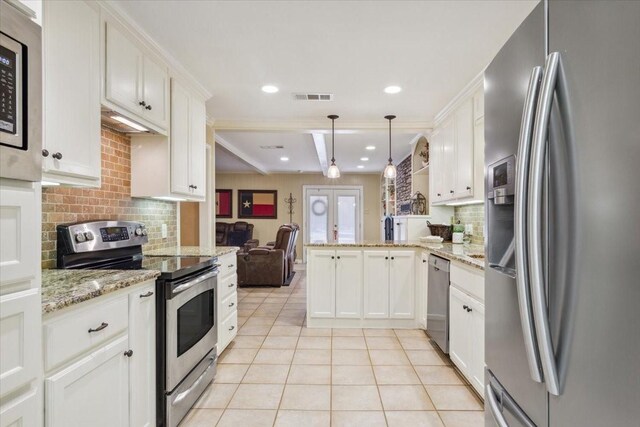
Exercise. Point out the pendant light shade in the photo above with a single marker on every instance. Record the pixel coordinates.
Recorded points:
(390, 171)
(333, 171)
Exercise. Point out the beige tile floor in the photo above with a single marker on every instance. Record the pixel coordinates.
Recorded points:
(279, 373)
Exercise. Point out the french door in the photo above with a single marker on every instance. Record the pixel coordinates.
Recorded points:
(332, 214)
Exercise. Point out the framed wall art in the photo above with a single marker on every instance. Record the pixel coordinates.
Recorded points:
(258, 204)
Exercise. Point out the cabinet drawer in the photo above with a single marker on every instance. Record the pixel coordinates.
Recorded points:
(227, 285)
(69, 336)
(227, 264)
(470, 282)
(228, 305)
(228, 330)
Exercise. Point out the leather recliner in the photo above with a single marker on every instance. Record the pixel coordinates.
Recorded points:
(266, 265)
(239, 234)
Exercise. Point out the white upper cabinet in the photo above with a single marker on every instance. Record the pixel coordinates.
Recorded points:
(188, 143)
(457, 148)
(464, 150)
(134, 81)
(71, 148)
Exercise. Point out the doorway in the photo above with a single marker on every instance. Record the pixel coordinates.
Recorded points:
(332, 214)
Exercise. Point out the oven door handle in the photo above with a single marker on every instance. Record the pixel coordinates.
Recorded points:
(180, 397)
(183, 287)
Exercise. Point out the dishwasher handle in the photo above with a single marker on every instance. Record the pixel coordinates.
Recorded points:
(439, 264)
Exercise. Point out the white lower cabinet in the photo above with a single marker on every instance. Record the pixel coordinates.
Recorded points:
(93, 391)
(322, 283)
(106, 377)
(390, 284)
(23, 411)
(227, 301)
(423, 280)
(348, 284)
(466, 336)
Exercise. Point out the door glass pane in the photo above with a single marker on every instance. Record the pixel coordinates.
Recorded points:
(347, 214)
(318, 219)
(195, 319)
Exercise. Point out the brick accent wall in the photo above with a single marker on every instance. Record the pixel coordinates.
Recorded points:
(112, 201)
(472, 214)
(403, 182)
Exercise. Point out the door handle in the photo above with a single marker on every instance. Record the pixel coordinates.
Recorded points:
(522, 266)
(534, 224)
(494, 407)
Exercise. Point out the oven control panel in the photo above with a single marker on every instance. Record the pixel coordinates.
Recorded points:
(99, 235)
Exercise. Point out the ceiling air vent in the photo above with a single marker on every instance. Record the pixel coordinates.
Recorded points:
(313, 96)
(272, 147)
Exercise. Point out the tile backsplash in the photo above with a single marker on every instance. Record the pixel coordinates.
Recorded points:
(112, 201)
(472, 214)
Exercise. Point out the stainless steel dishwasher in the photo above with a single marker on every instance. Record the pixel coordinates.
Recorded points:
(438, 302)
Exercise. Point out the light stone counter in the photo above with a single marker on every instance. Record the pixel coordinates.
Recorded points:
(472, 255)
(63, 288)
(202, 251)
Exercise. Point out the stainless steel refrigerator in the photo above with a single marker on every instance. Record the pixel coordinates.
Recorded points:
(562, 135)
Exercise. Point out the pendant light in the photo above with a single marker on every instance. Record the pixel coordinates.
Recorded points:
(333, 171)
(390, 171)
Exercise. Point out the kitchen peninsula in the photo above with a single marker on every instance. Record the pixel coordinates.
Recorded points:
(381, 284)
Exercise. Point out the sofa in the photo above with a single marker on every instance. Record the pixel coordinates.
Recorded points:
(268, 265)
(239, 233)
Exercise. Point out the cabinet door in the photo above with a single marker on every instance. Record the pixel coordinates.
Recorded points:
(25, 410)
(348, 284)
(402, 284)
(197, 148)
(156, 92)
(180, 129)
(435, 165)
(464, 150)
(376, 284)
(448, 163)
(20, 339)
(459, 334)
(478, 159)
(142, 368)
(72, 92)
(94, 391)
(476, 319)
(423, 288)
(322, 283)
(20, 217)
(123, 76)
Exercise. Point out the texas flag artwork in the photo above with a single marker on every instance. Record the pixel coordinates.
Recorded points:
(257, 204)
(223, 203)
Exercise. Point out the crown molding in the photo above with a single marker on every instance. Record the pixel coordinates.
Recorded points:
(317, 126)
(467, 92)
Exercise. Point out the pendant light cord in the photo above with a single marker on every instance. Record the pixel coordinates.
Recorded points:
(389, 140)
(333, 157)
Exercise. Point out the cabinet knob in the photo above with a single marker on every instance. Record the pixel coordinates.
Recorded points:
(332, 257)
(45, 153)
(232, 328)
(468, 188)
(57, 156)
(232, 304)
(128, 353)
(424, 260)
(148, 107)
(231, 285)
(386, 257)
(469, 309)
(451, 191)
(439, 194)
(338, 257)
(142, 103)
(465, 307)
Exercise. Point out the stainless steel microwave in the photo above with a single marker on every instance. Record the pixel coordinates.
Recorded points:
(20, 94)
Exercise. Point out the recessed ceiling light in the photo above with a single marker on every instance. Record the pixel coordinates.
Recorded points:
(284, 159)
(360, 167)
(364, 159)
(370, 147)
(392, 89)
(270, 88)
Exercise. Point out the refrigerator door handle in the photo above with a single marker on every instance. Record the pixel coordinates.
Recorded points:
(521, 190)
(534, 224)
(494, 406)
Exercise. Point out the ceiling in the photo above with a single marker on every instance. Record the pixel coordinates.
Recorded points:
(351, 49)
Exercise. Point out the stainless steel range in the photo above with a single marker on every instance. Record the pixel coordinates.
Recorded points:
(186, 293)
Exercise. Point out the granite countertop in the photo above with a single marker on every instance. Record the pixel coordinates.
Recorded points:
(204, 251)
(461, 253)
(63, 288)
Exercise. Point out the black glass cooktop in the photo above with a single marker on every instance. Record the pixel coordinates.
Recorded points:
(170, 268)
